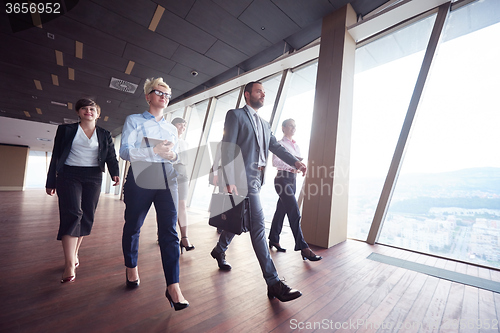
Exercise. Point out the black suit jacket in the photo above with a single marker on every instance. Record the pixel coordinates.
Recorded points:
(62, 146)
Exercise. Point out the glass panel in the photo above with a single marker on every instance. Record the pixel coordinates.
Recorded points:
(174, 114)
(195, 124)
(203, 192)
(194, 129)
(446, 201)
(386, 72)
(299, 103)
(36, 173)
(271, 86)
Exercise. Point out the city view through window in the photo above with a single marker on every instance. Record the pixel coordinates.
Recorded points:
(447, 198)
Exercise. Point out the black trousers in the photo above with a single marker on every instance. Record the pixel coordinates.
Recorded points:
(78, 190)
(285, 186)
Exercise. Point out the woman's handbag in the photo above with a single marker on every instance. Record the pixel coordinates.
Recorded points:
(230, 213)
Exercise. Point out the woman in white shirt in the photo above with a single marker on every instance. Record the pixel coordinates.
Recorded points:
(79, 156)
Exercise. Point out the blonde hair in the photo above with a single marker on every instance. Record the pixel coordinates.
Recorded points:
(151, 83)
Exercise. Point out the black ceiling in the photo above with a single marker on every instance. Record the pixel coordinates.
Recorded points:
(218, 39)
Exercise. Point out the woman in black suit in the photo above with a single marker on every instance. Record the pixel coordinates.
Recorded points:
(80, 152)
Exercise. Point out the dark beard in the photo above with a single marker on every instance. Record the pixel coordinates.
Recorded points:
(256, 104)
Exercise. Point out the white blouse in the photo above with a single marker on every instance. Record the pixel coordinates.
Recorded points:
(84, 151)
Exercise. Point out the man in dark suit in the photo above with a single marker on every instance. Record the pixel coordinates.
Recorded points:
(247, 134)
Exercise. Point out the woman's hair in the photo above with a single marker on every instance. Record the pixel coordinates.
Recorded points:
(151, 83)
(87, 102)
(178, 120)
(286, 121)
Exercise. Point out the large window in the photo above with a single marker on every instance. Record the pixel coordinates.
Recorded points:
(386, 72)
(298, 105)
(202, 194)
(37, 168)
(271, 86)
(447, 198)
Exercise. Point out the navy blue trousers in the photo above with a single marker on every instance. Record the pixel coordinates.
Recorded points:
(138, 201)
(285, 186)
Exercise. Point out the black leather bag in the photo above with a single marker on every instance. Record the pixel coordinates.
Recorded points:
(230, 213)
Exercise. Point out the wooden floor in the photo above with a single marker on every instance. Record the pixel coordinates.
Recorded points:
(344, 290)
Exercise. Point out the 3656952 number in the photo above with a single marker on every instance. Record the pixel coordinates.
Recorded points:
(33, 8)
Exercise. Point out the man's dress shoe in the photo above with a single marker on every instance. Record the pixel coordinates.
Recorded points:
(221, 260)
(282, 292)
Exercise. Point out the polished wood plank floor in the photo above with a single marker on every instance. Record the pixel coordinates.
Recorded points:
(344, 290)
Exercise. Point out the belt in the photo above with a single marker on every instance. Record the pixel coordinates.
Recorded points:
(283, 173)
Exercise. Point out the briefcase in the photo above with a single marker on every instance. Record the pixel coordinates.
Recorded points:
(230, 213)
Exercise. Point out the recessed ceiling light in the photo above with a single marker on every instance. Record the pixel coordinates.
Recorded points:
(108, 101)
(51, 36)
(58, 103)
(263, 28)
(34, 97)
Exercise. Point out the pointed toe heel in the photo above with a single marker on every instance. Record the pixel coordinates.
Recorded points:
(308, 254)
(277, 246)
(131, 284)
(184, 247)
(68, 279)
(177, 306)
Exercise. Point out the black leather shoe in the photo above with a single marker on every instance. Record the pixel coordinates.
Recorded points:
(282, 292)
(221, 260)
(308, 254)
(277, 246)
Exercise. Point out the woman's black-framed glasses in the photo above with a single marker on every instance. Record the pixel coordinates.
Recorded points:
(161, 93)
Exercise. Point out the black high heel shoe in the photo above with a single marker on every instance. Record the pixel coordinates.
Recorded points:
(308, 254)
(188, 248)
(131, 284)
(177, 306)
(277, 246)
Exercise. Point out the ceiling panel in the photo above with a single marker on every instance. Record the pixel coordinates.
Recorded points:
(185, 33)
(211, 17)
(147, 58)
(88, 67)
(84, 33)
(196, 61)
(179, 8)
(225, 54)
(185, 73)
(304, 13)
(235, 8)
(123, 28)
(93, 54)
(305, 36)
(140, 12)
(268, 20)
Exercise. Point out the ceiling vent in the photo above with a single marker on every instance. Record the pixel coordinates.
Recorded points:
(122, 85)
